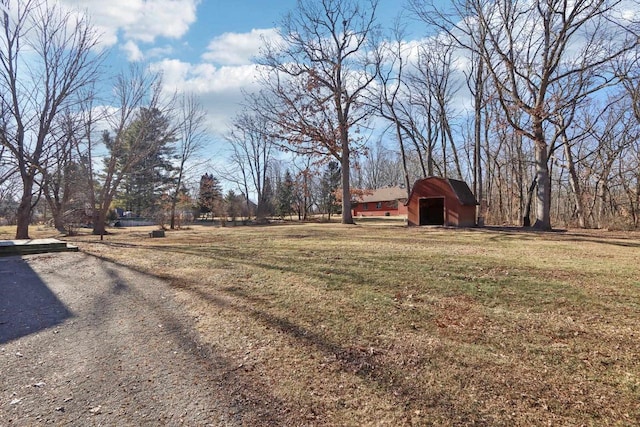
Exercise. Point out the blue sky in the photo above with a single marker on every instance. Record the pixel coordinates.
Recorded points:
(200, 46)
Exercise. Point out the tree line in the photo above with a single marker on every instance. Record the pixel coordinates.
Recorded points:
(65, 142)
(290, 190)
(535, 103)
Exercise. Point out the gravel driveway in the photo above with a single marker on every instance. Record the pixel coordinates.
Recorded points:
(87, 342)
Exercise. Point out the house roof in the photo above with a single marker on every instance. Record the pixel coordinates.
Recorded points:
(382, 195)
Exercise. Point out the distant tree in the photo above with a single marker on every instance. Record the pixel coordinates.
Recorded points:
(9, 193)
(190, 135)
(252, 152)
(329, 184)
(47, 55)
(269, 197)
(381, 167)
(180, 208)
(234, 204)
(304, 182)
(210, 194)
(285, 196)
(316, 78)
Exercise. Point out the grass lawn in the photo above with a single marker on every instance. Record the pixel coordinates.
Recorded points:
(379, 324)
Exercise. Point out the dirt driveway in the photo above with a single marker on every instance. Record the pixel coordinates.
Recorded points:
(87, 342)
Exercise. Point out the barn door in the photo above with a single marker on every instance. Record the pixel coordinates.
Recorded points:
(432, 211)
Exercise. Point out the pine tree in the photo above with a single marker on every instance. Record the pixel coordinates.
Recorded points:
(285, 196)
(210, 194)
(328, 185)
(144, 185)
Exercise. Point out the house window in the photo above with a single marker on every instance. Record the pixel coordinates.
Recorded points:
(365, 206)
(393, 204)
(379, 205)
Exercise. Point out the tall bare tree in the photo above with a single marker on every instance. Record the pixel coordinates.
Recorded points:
(530, 48)
(191, 135)
(62, 173)
(318, 73)
(434, 74)
(46, 56)
(392, 99)
(252, 153)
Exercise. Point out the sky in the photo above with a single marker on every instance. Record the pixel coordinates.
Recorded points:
(201, 46)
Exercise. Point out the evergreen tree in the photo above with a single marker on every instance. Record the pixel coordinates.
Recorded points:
(328, 185)
(210, 194)
(143, 186)
(285, 196)
(233, 205)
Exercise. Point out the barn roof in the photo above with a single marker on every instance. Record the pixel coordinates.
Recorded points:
(460, 189)
(463, 192)
(383, 195)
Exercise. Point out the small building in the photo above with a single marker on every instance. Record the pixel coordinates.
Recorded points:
(388, 201)
(441, 201)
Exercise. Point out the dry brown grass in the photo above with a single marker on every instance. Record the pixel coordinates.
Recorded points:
(385, 325)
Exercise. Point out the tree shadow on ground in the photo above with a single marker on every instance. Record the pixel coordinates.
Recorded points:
(27, 305)
(603, 237)
(365, 363)
(247, 402)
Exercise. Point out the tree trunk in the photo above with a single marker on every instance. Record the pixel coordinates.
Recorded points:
(57, 214)
(347, 217)
(403, 155)
(56, 206)
(477, 136)
(601, 201)
(174, 200)
(526, 216)
(99, 223)
(543, 188)
(100, 219)
(454, 150)
(575, 185)
(23, 215)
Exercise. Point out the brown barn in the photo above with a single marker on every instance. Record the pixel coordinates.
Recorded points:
(441, 201)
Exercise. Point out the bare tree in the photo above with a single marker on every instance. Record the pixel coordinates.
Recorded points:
(61, 172)
(318, 75)
(9, 185)
(391, 96)
(191, 134)
(381, 167)
(46, 56)
(7, 166)
(252, 153)
(530, 48)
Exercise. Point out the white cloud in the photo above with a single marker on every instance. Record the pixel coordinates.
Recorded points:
(238, 48)
(219, 88)
(139, 20)
(159, 52)
(132, 50)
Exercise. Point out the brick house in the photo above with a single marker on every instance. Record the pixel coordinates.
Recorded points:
(388, 201)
